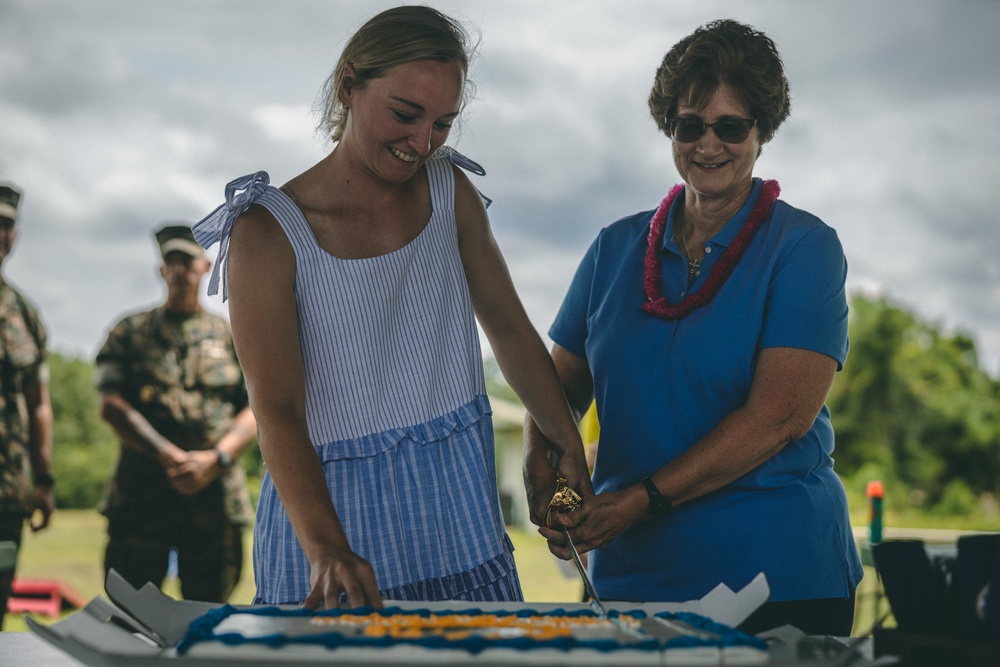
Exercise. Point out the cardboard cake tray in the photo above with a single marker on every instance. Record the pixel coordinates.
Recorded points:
(142, 627)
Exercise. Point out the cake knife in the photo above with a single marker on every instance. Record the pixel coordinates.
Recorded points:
(595, 600)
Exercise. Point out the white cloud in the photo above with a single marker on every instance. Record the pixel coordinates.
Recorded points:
(288, 123)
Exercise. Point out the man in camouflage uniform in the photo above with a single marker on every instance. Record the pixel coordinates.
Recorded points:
(172, 389)
(25, 413)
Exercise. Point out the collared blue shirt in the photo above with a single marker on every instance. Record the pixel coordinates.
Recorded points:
(662, 385)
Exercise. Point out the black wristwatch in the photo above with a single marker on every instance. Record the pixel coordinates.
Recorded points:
(659, 504)
(225, 460)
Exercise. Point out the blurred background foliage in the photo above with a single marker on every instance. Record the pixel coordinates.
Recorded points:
(914, 408)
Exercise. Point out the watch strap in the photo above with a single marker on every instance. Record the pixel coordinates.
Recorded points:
(659, 504)
(225, 460)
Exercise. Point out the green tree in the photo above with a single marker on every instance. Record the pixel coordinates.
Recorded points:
(913, 406)
(84, 447)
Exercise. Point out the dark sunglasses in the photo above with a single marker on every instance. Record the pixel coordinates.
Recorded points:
(729, 130)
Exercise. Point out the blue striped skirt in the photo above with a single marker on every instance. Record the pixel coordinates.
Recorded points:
(419, 503)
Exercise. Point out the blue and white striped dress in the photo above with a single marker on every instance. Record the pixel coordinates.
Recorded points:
(397, 409)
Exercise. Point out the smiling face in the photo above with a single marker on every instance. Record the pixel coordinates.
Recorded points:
(397, 121)
(711, 168)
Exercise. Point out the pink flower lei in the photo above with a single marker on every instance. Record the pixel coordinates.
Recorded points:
(656, 303)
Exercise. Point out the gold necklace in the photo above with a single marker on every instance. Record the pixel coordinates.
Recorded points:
(694, 265)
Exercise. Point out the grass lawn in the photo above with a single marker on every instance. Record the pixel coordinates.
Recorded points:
(71, 550)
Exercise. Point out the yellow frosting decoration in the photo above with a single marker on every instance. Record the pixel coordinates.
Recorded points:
(460, 626)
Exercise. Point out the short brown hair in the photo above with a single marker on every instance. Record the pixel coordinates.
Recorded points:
(394, 37)
(724, 51)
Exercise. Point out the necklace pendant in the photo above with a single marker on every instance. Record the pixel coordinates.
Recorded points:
(694, 267)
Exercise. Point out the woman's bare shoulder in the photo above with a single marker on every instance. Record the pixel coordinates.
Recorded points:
(258, 244)
(470, 211)
(258, 228)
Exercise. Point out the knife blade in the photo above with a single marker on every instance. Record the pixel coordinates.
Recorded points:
(595, 600)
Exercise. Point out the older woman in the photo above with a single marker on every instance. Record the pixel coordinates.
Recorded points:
(709, 331)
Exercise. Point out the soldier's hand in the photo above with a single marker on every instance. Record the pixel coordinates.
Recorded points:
(171, 457)
(42, 503)
(194, 473)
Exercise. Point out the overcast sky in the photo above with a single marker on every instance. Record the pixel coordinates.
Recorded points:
(118, 115)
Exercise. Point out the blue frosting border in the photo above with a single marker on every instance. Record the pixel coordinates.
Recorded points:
(203, 629)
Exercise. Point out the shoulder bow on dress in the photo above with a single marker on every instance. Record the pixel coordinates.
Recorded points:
(217, 226)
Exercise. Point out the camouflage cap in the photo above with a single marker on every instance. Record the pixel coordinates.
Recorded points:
(9, 197)
(178, 238)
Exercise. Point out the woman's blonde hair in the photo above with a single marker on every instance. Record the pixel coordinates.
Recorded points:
(394, 37)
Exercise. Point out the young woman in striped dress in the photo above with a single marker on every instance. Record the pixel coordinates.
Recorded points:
(354, 292)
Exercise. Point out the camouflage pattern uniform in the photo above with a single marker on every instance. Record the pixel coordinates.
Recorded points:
(181, 373)
(22, 362)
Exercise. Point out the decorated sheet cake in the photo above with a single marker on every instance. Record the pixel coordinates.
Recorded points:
(468, 636)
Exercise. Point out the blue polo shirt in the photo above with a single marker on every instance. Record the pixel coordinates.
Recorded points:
(661, 385)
